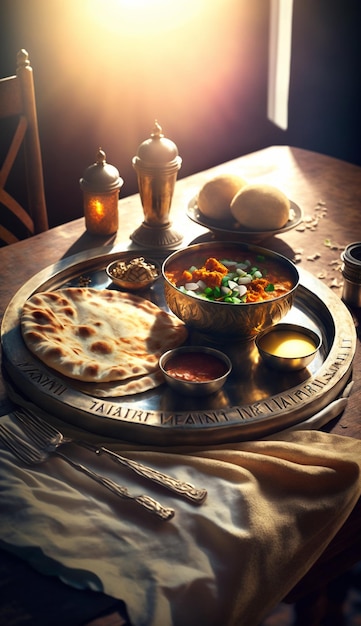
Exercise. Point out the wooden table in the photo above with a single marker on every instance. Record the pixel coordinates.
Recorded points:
(329, 192)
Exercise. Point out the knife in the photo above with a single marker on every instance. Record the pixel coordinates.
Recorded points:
(182, 488)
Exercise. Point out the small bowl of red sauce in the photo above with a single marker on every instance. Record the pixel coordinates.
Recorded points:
(195, 370)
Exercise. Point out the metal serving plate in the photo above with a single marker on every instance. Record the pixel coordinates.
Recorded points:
(255, 401)
(230, 230)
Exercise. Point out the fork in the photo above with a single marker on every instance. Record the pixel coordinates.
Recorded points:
(47, 435)
(29, 455)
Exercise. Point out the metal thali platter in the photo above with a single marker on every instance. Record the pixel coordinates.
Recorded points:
(255, 401)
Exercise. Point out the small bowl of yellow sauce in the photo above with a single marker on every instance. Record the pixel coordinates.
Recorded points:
(288, 346)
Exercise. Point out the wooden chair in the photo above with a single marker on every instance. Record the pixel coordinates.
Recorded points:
(18, 113)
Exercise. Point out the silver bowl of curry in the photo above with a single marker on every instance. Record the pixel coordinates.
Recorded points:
(229, 290)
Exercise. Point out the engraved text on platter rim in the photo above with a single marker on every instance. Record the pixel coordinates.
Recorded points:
(312, 388)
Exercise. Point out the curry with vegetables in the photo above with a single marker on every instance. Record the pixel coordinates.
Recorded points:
(252, 279)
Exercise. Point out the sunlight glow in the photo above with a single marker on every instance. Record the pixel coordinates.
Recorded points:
(191, 64)
(144, 16)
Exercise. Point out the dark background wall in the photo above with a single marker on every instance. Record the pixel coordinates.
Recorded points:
(101, 82)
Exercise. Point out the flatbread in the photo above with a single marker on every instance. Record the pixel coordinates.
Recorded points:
(99, 335)
(121, 388)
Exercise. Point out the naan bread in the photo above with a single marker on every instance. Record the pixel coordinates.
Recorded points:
(121, 388)
(99, 335)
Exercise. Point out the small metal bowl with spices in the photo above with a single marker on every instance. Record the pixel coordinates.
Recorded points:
(134, 274)
(288, 347)
(195, 370)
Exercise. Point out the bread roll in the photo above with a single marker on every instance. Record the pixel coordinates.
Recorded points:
(260, 208)
(214, 198)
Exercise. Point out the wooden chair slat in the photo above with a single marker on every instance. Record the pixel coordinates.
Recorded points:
(17, 99)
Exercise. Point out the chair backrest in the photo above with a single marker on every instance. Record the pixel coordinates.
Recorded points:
(17, 105)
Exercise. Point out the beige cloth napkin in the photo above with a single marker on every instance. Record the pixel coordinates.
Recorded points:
(272, 508)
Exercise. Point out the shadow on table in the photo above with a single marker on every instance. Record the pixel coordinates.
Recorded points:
(29, 598)
(87, 242)
(272, 243)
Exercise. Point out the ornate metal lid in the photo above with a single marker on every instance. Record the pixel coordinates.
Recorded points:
(157, 151)
(101, 177)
